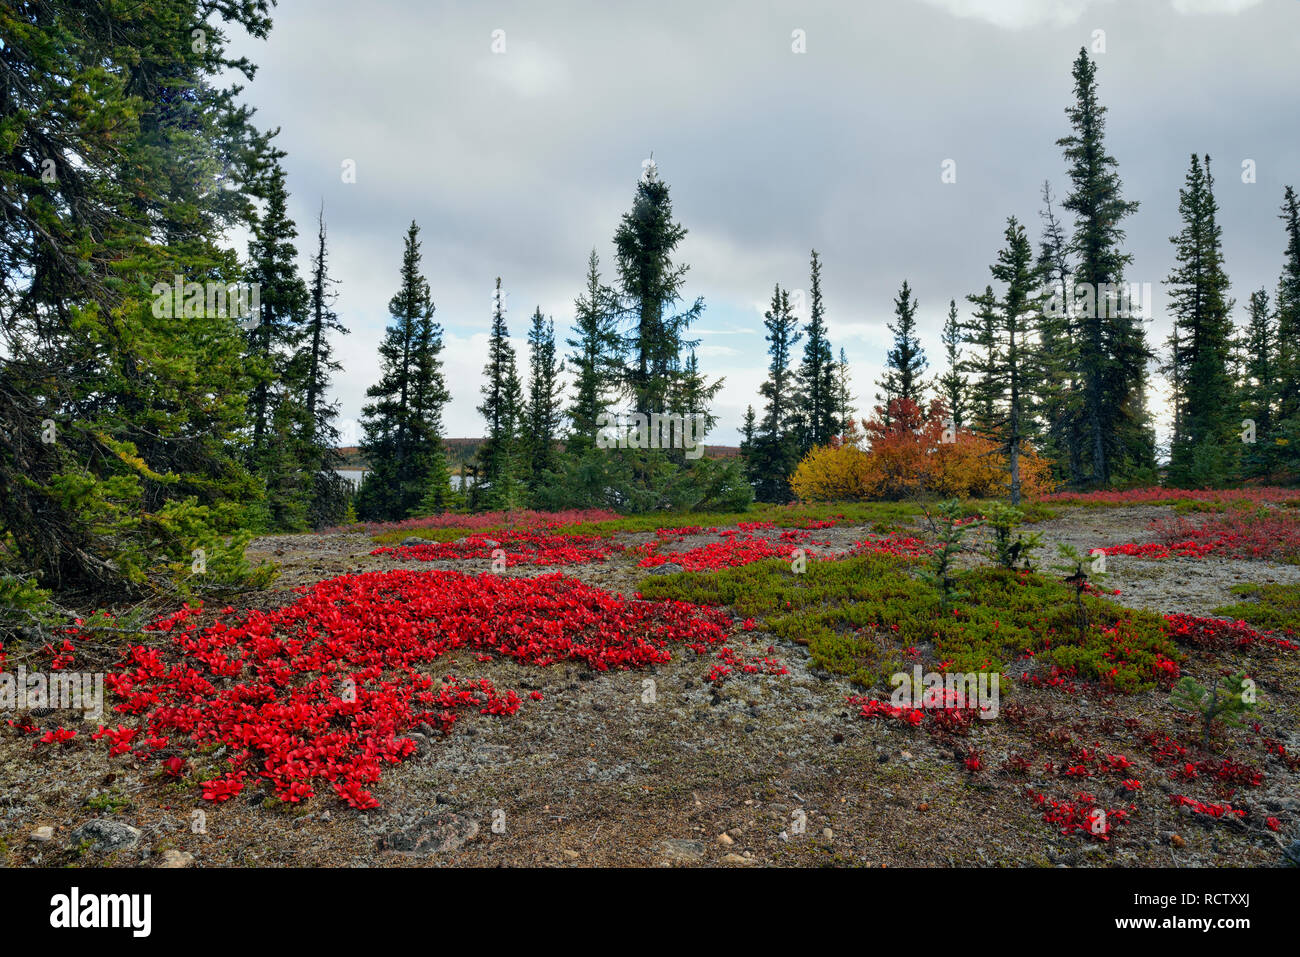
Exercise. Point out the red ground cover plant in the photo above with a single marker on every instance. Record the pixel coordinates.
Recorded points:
(319, 692)
(1261, 534)
(520, 548)
(1083, 816)
(740, 546)
(1218, 634)
(518, 519)
(715, 555)
(1272, 495)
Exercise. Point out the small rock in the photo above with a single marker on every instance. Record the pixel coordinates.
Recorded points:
(435, 833)
(414, 540)
(678, 850)
(828, 834)
(1292, 853)
(42, 834)
(571, 855)
(175, 858)
(736, 859)
(491, 543)
(106, 835)
(668, 568)
(725, 838)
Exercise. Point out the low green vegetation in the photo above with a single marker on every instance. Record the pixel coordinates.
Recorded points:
(1271, 607)
(860, 616)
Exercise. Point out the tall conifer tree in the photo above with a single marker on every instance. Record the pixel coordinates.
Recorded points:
(1205, 442)
(905, 362)
(1112, 345)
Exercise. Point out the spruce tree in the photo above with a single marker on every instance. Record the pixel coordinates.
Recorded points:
(952, 384)
(844, 398)
(543, 415)
(1204, 445)
(402, 440)
(1013, 374)
(1062, 400)
(280, 421)
(650, 284)
(816, 378)
(331, 494)
(906, 360)
(1111, 344)
(980, 333)
(775, 449)
(596, 360)
(1258, 386)
(1288, 312)
(119, 136)
(500, 456)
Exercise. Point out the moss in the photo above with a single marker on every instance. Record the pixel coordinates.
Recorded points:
(1270, 606)
(112, 803)
(859, 617)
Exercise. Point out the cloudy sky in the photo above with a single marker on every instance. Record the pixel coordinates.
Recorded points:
(517, 162)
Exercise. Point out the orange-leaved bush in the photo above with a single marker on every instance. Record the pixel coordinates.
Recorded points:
(905, 454)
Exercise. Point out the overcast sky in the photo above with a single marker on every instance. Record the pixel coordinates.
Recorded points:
(517, 163)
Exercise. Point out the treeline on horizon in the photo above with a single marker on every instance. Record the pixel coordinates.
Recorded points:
(140, 450)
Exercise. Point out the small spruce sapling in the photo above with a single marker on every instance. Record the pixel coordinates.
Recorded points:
(1081, 572)
(1004, 520)
(951, 531)
(1225, 701)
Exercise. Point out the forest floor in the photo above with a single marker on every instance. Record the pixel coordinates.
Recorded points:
(762, 769)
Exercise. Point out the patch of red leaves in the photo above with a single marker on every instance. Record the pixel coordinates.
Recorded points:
(520, 548)
(1219, 634)
(321, 691)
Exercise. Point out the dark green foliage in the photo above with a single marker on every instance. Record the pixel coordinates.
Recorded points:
(1111, 344)
(542, 416)
(1288, 341)
(281, 423)
(1257, 385)
(117, 142)
(952, 384)
(906, 360)
(501, 457)
(650, 284)
(596, 359)
(1008, 386)
(1205, 446)
(844, 397)
(1058, 354)
(636, 481)
(815, 406)
(774, 450)
(403, 425)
